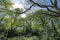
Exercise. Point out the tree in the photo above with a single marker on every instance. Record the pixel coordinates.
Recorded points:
(45, 24)
(52, 7)
(40, 24)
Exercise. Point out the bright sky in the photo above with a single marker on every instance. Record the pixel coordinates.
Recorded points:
(22, 4)
(23, 15)
(17, 4)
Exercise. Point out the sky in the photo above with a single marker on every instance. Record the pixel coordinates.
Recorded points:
(17, 4)
(22, 4)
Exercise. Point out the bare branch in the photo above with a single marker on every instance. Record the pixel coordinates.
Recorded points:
(52, 10)
(27, 9)
(54, 5)
(51, 2)
(41, 5)
(55, 2)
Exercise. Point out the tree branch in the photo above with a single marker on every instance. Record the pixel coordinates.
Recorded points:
(2, 18)
(41, 5)
(27, 9)
(54, 5)
(55, 15)
(51, 2)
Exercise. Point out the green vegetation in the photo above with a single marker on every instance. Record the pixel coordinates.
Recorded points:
(35, 26)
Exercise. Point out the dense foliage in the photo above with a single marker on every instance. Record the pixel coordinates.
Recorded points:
(35, 26)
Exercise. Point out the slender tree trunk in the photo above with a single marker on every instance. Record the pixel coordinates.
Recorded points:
(55, 31)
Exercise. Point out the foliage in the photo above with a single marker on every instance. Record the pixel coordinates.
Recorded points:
(36, 26)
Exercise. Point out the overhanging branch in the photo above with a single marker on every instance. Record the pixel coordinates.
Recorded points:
(54, 5)
(41, 5)
(27, 9)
